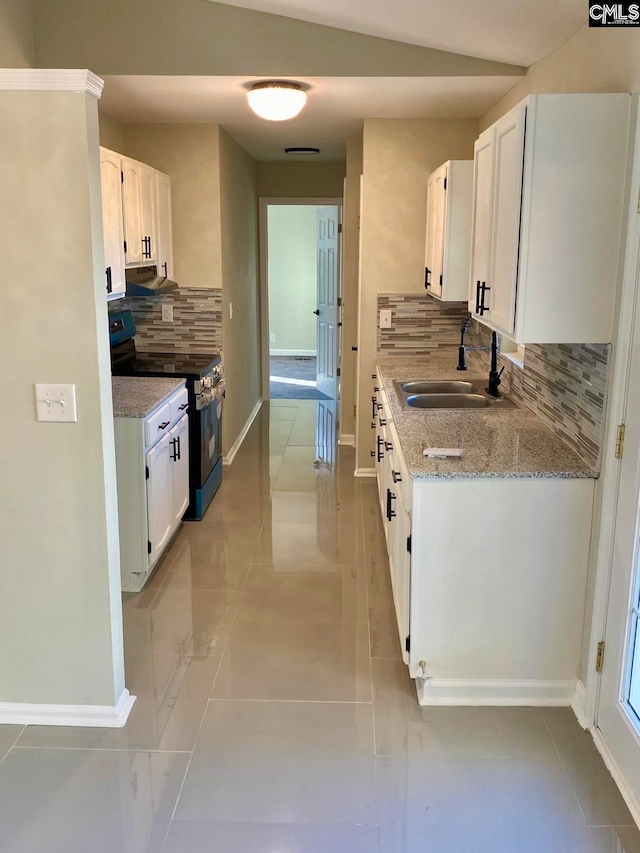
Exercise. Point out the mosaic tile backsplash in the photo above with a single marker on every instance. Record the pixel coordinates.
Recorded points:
(197, 320)
(420, 324)
(565, 385)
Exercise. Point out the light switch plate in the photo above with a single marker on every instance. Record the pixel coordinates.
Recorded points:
(56, 403)
(231, 310)
(167, 313)
(272, 339)
(385, 319)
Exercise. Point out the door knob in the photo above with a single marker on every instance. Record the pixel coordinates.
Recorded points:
(316, 312)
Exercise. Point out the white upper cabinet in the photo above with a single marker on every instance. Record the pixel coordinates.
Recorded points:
(548, 186)
(112, 223)
(139, 199)
(164, 224)
(449, 198)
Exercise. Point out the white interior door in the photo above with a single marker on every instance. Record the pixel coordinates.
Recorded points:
(619, 706)
(328, 308)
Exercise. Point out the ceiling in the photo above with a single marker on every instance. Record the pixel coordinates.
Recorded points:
(334, 111)
(514, 31)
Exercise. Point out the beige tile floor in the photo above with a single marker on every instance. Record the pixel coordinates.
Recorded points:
(274, 713)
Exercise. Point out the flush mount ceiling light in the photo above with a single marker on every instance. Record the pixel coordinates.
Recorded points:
(275, 100)
(302, 152)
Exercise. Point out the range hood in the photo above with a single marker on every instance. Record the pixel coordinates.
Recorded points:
(145, 281)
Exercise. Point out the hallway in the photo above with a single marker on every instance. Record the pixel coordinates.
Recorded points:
(274, 713)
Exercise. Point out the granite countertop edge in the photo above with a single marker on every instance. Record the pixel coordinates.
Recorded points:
(413, 428)
(138, 396)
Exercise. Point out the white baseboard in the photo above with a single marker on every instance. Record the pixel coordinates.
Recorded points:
(102, 716)
(298, 352)
(578, 706)
(365, 472)
(347, 440)
(237, 444)
(442, 691)
(627, 794)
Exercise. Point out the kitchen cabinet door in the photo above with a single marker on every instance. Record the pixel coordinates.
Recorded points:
(482, 222)
(505, 231)
(429, 251)
(160, 508)
(112, 223)
(401, 568)
(164, 225)
(148, 212)
(179, 438)
(438, 192)
(131, 204)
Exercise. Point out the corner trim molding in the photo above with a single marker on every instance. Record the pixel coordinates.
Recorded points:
(579, 705)
(365, 472)
(51, 80)
(103, 716)
(627, 794)
(237, 444)
(444, 691)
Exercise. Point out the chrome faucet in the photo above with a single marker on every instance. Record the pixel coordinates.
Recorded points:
(494, 373)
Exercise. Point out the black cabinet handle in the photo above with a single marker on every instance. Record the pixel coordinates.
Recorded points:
(164, 266)
(382, 422)
(174, 442)
(374, 403)
(374, 375)
(477, 297)
(109, 285)
(183, 407)
(390, 512)
(164, 425)
(396, 477)
(148, 247)
(388, 446)
(375, 388)
(380, 406)
(380, 452)
(483, 307)
(427, 273)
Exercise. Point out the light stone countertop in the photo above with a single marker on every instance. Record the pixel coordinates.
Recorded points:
(137, 396)
(509, 443)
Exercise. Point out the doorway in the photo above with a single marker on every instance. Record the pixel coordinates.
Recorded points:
(301, 278)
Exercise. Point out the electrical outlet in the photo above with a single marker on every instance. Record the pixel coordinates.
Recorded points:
(167, 313)
(272, 339)
(385, 319)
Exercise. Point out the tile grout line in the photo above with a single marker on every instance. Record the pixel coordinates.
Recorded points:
(564, 769)
(24, 728)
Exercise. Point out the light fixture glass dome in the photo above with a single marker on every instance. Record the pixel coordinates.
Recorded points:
(276, 101)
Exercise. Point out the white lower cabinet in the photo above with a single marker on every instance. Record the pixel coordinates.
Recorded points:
(152, 468)
(489, 579)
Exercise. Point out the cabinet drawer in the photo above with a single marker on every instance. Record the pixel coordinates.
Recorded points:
(179, 404)
(157, 424)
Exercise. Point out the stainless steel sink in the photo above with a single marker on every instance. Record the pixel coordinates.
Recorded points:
(449, 387)
(449, 394)
(448, 401)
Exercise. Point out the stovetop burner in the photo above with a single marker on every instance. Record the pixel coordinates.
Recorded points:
(176, 363)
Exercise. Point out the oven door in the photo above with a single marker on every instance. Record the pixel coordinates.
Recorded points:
(209, 421)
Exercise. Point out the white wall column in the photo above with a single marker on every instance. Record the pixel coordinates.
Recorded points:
(61, 658)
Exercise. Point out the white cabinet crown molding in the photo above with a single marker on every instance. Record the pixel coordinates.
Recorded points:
(51, 80)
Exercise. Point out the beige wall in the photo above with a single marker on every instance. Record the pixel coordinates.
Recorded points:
(111, 133)
(189, 154)
(241, 335)
(593, 60)
(16, 34)
(323, 179)
(198, 37)
(292, 276)
(397, 160)
(60, 609)
(350, 268)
